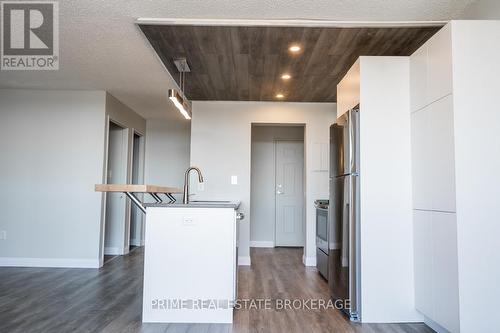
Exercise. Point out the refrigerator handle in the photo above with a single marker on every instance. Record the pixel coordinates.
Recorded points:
(351, 141)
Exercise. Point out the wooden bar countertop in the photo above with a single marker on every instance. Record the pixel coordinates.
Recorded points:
(136, 188)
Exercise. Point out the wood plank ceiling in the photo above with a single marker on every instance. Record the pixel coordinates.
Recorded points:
(246, 63)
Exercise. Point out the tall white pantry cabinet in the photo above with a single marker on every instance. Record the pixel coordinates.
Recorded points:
(455, 125)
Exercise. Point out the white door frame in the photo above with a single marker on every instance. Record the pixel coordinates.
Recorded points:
(275, 143)
(142, 150)
(128, 146)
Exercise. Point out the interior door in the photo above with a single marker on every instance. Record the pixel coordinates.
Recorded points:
(136, 216)
(115, 228)
(289, 193)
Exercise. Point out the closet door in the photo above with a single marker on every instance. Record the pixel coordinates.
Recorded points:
(445, 271)
(442, 154)
(423, 261)
(421, 160)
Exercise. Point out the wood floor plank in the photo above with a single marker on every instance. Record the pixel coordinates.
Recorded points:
(110, 300)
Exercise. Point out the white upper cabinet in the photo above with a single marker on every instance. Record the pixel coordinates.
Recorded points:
(431, 102)
(418, 79)
(441, 155)
(348, 90)
(439, 65)
(431, 70)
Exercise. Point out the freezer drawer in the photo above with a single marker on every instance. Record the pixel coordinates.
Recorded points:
(322, 263)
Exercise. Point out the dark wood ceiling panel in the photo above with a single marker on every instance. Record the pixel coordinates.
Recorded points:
(246, 63)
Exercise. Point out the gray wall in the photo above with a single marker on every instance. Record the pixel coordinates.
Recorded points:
(482, 10)
(125, 116)
(221, 147)
(52, 155)
(262, 224)
(53, 146)
(167, 152)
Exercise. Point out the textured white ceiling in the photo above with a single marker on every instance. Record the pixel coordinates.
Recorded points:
(101, 47)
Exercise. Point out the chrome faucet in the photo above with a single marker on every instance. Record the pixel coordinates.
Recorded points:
(185, 198)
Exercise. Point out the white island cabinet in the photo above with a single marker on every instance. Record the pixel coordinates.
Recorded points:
(190, 263)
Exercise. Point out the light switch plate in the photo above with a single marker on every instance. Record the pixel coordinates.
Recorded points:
(234, 180)
(3, 235)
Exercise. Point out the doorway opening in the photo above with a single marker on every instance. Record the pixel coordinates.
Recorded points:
(116, 173)
(277, 186)
(136, 230)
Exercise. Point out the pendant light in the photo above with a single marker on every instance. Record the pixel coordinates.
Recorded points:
(177, 96)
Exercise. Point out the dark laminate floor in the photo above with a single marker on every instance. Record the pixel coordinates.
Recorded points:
(110, 299)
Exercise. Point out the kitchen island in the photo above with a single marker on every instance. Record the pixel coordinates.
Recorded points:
(190, 262)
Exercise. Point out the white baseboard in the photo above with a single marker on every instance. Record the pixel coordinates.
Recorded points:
(115, 251)
(435, 326)
(309, 261)
(244, 261)
(50, 262)
(261, 244)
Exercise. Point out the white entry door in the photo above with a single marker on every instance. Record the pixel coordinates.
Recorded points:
(289, 189)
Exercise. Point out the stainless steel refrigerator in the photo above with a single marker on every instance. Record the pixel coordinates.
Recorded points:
(344, 217)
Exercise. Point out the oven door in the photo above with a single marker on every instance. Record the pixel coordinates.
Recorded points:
(322, 229)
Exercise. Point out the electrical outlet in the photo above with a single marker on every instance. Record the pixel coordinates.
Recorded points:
(3, 235)
(188, 221)
(234, 180)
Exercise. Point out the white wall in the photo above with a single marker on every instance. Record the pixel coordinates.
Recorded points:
(262, 225)
(167, 152)
(477, 158)
(221, 147)
(52, 148)
(482, 10)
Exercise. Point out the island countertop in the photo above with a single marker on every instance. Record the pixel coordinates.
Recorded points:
(136, 188)
(197, 204)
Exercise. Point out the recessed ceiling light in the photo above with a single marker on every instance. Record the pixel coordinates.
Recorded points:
(286, 76)
(280, 95)
(294, 48)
